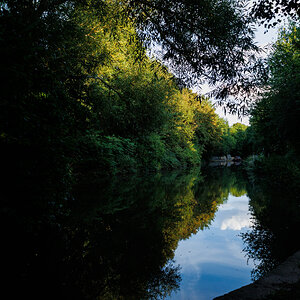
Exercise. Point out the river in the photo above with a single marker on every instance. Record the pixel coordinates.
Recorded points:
(212, 261)
(176, 235)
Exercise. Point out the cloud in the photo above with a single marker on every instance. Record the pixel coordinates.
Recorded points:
(236, 222)
(233, 215)
(218, 245)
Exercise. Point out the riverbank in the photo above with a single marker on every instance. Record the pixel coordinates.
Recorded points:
(283, 280)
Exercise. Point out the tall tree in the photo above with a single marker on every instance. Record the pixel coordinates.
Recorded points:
(275, 117)
(201, 40)
(270, 11)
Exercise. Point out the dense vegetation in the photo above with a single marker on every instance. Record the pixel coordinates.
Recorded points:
(275, 172)
(275, 117)
(81, 92)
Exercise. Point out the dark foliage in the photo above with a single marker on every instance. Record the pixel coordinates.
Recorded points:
(202, 40)
(270, 11)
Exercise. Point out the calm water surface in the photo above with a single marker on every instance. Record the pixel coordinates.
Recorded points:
(212, 261)
(164, 236)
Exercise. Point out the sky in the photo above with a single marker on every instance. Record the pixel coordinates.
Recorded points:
(263, 40)
(212, 261)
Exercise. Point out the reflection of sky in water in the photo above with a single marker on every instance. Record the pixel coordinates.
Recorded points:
(212, 262)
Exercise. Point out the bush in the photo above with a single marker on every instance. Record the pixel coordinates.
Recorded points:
(282, 171)
(108, 154)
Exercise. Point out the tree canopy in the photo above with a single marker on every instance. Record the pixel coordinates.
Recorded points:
(268, 11)
(275, 118)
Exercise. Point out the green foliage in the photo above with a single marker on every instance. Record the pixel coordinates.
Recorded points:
(275, 173)
(208, 39)
(105, 154)
(275, 118)
(80, 94)
(235, 140)
(282, 171)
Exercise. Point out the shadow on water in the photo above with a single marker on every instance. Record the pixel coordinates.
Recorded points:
(111, 239)
(115, 238)
(276, 221)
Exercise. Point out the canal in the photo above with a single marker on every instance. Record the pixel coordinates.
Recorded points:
(176, 235)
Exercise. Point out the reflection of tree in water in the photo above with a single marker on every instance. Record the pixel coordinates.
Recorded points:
(114, 240)
(220, 182)
(275, 229)
(145, 219)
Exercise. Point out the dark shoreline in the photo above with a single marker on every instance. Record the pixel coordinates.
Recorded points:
(280, 279)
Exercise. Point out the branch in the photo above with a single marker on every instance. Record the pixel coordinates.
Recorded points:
(107, 85)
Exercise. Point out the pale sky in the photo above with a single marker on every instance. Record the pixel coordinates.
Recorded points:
(263, 40)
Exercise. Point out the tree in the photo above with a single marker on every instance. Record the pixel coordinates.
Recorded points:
(266, 11)
(46, 58)
(209, 40)
(275, 118)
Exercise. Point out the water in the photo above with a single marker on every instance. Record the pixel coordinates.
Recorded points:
(212, 261)
(164, 236)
